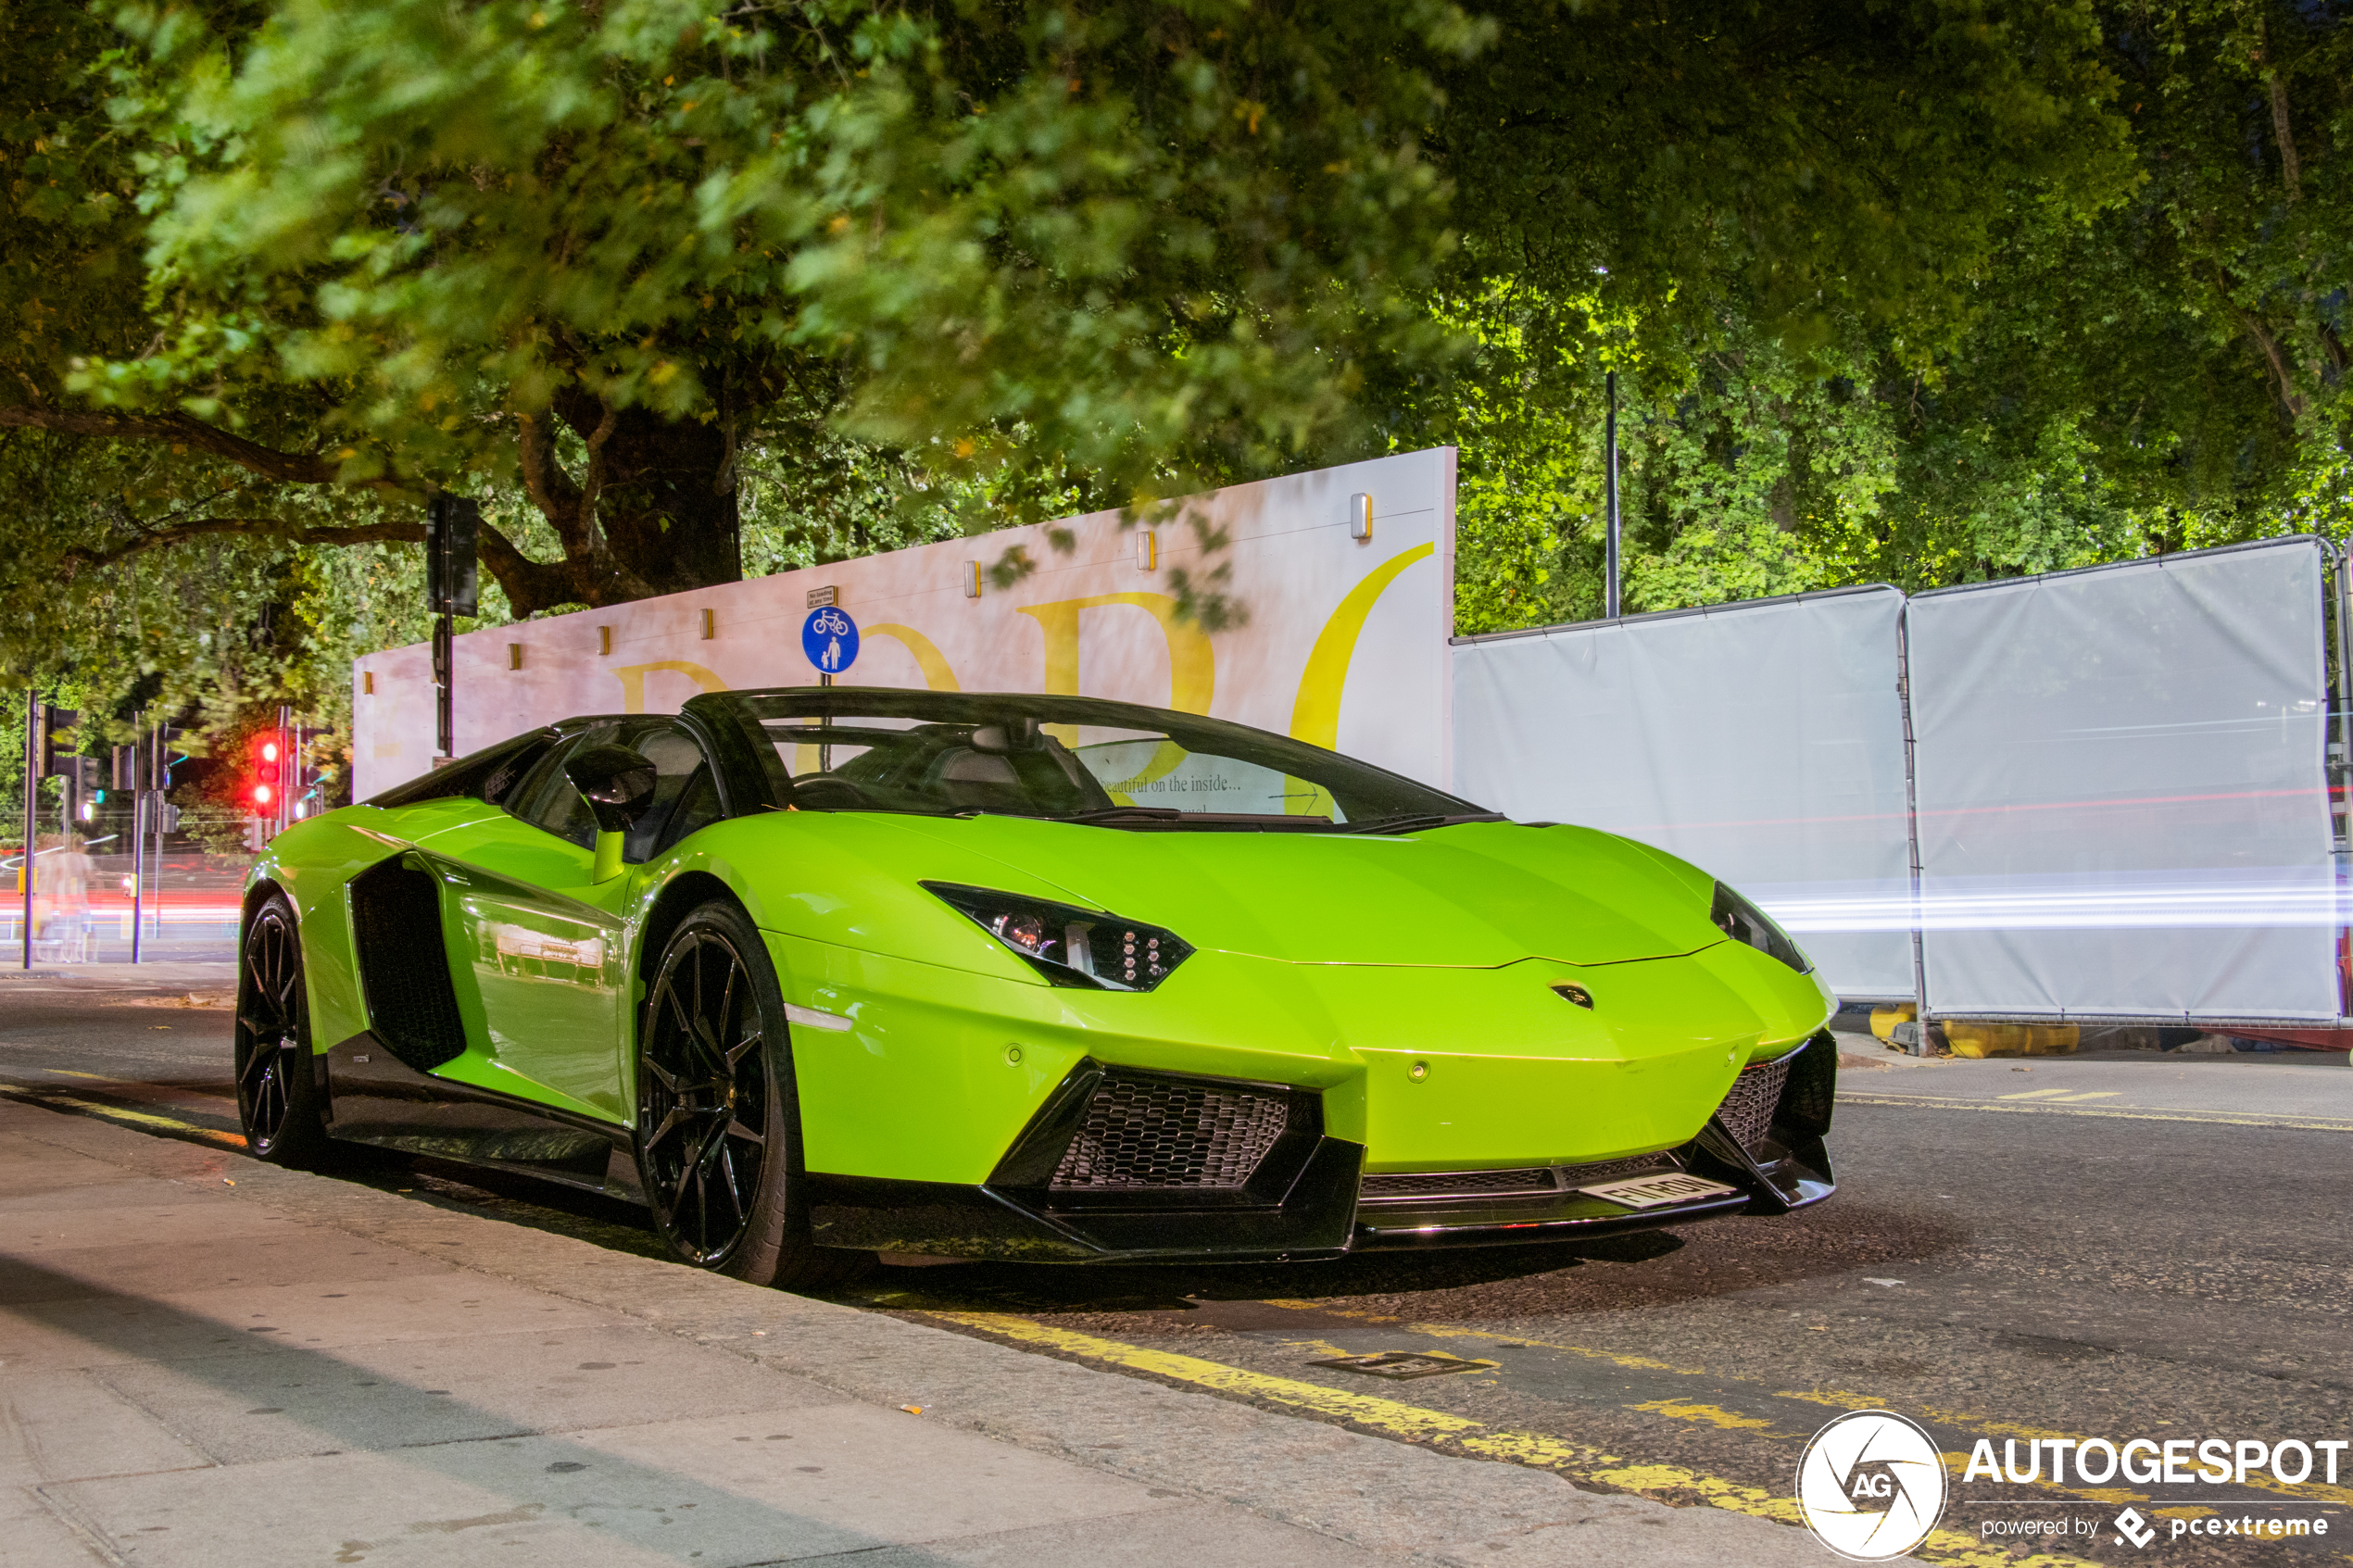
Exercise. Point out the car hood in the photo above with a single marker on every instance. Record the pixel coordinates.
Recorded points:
(1475, 894)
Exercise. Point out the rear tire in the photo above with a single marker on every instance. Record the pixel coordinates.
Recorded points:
(279, 1105)
(718, 1116)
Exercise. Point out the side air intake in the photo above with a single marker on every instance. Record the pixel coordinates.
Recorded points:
(404, 970)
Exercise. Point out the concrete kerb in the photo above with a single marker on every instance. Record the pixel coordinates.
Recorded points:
(1388, 1496)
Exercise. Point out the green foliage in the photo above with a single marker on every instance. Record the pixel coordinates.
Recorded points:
(1916, 291)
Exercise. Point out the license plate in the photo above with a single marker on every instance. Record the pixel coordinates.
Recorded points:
(1656, 1192)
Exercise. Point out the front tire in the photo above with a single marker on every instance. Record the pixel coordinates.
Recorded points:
(278, 1099)
(718, 1117)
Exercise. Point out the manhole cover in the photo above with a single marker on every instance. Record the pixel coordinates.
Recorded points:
(1401, 1364)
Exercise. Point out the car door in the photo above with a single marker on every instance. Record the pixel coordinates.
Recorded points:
(541, 943)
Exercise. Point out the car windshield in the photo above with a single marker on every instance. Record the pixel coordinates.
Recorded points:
(1068, 758)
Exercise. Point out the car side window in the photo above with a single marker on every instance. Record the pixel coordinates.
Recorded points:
(685, 795)
(546, 799)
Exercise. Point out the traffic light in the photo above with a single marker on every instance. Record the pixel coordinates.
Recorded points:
(264, 776)
(53, 760)
(453, 534)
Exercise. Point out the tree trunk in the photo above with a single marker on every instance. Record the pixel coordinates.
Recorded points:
(667, 507)
(655, 513)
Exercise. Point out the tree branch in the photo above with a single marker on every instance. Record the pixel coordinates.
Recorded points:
(2290, 169)
(530, 586)
(79, 555)
(292, 467)
(2289, 397)
(551, 488)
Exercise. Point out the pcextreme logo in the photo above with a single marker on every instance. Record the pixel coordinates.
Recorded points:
(1871, 1485)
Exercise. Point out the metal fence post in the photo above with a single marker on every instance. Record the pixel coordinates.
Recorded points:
(2340, 769)
(1912, 823)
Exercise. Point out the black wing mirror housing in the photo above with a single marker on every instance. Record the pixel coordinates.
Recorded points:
(617, 783)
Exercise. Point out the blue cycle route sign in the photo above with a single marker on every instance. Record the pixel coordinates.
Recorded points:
(830, 639)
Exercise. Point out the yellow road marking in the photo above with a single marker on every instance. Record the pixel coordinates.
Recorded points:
(2078, 1099)
(118, 1113)
(1394, 1418)
(2220, 1118)
(1448, 1331)
(1715, 1415)
(1837, 1399)
(2032, 1094)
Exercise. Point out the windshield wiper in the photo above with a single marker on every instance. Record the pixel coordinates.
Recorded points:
(1418, 823)
(1122, 813)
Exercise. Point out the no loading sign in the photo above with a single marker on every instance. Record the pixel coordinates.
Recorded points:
(1871, 1485)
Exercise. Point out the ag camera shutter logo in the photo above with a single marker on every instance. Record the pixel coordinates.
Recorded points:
(1871, 1485)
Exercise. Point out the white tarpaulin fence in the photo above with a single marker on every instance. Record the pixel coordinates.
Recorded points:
(2123, 802)
(2123, 789)
(1763, 741)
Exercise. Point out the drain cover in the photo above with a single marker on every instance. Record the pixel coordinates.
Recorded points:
(1401, 1364)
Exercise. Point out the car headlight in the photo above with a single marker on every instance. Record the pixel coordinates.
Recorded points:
(1743, 922)
(1068, 945)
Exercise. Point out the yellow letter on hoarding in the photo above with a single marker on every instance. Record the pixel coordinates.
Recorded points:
(1314, 717)
(938, 675)
(1192, 665)
(633, 680)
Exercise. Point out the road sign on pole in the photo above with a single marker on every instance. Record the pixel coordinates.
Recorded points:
(830, 639)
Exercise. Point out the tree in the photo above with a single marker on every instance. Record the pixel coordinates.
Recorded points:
(1033, 252)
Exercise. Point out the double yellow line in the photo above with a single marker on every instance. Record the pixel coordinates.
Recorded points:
(27, 1094)
(1394, 1418)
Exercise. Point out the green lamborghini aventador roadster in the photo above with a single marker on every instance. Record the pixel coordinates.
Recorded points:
(817, 973)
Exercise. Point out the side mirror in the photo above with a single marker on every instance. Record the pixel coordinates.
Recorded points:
(617, 783)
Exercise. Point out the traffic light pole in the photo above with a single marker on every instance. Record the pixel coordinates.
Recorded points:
(31, 807)
(138, 832)
(444, 719)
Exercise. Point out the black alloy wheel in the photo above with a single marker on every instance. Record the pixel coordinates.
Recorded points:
(717, 1125)
(278, 1099)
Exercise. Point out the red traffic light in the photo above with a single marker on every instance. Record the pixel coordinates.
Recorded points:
(264, 771)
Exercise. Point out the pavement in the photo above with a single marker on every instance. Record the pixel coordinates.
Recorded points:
(207, 1360)
(2288, 1088)
(2108, 1244)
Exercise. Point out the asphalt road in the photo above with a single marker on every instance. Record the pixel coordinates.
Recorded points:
(1993, 1267)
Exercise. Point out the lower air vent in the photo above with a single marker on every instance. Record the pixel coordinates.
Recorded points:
(1160, 1133)
(1528, 1182)
(1460, 1184)
(1747, 1112)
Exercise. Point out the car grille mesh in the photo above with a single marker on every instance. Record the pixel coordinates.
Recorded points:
(1529, 1181)
(1144, 1133)
(1747, 1112)
(1459, 1184)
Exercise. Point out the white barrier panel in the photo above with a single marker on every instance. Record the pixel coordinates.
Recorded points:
(2123, 801)
(1344, 643)
(1761, 741)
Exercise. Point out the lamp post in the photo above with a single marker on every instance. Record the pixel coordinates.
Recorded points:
(1610, 570)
